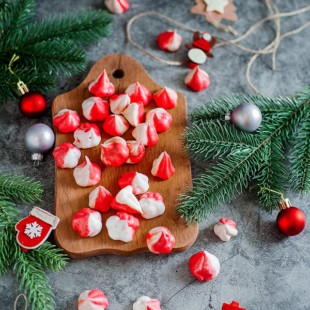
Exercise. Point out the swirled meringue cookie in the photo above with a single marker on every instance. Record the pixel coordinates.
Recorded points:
(66, 120)
(225, 229)
(162, 166)
(96, 109)
(87, 136)
(139, 93)
(197, 79)
(166, 98)
(102, 87)
(66, 155)
(169, 41)
(159, 118)
(204, 266)
(146, 303)
(117, 6)
(138, 181)
(100, 199)
(115, 125)
(126, 201)
(134, 113)
(146, 133)
(122, 226)
(92, 300)
(160, 240)
(87, 174)
(152, 205)
(119, 103)
(87, 222)
(114, 152)
(136, 151)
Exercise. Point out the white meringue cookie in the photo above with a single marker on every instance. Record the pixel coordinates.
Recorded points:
(119, 103)
(146, 133)
(92, 300)
(100, 199)
(225, 229)
(159, 118)
(66, 155)
(139, 93)
(152, 205)
(160, 240)
(87, 136)
(134, 113)
(146, 303)
(169, 41)
(87, 174)
(136, 151)
(138, 181)
(117, 6)
(95, 109)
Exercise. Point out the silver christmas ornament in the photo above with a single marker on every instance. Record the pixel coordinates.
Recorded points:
(39, 138)
(246, 116)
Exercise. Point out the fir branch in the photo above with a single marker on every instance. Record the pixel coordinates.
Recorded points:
(8, 212)
(7, 238)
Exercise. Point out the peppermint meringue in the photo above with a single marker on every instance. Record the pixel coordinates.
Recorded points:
(138, 181)
(146, 133)
(163, 167)
(146, 303)
(114, 152)
(119, 103)
(66, 155)
(122, 226)
(139, 93)
(92, 300)
(152, 205)
(102, 87)
(115, 125)
(87, 174)
(169, 41)
(100, 199)
(87, 222)
(126, 201)
(87, 136)
(197, 79)
(160, 240)
(225, 229)
(166, 98)
(204, 266)
(136, 151)
(117, 6)
(134, 113)
(159, 118)
(96, 109)
(66, 120)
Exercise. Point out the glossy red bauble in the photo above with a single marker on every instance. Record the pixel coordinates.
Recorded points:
(291, 221)
(32, 104)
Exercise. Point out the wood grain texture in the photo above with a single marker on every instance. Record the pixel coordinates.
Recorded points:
(69, 197)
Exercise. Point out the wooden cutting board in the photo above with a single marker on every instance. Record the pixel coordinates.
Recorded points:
(69, 197)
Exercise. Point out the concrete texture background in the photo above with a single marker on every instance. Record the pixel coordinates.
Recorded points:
(259, 268)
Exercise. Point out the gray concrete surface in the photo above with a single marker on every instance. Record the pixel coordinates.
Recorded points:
(259, 268)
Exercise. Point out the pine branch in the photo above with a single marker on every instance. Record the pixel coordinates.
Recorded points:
(8, 212)
(7, 238)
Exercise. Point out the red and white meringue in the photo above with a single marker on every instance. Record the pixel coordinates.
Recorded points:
(204, 266)
(119, 103)
(197, 79)
(152, 205)
(87, 222)
(66, 120)
(96, 109)
(163, 167)
(87, 136)
(225, 229)
(122, 226)
(87, 174)
(146, 133)
(114, 152)
(115, 125)
(126, 201)
(160, 240)
(92, 300)
(117, 6)
(102, 87)
(159, 118)
(166, 98)
(66, 155)
(134, 113)
(136, 151)
(138, 181)
(100, 199)
(146, 303)
(169, 41)
(139, 93)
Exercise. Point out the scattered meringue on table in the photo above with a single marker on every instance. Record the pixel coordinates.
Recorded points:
(92, 300)
(197, 79)
(225, 229)
(117, 6)
(169, 41)
(146, 303)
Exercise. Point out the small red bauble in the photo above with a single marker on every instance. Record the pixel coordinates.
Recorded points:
(32, 104)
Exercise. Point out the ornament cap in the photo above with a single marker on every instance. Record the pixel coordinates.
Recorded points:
(285, 204)
(22, 87)
(37, 158)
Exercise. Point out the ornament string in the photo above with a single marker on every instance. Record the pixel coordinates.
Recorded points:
(22, 87)
(272, 191)
(16, 300)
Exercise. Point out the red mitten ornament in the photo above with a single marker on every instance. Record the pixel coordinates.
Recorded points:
(233, 306)
(33, 230)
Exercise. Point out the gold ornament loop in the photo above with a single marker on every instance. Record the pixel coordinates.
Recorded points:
(21, 86)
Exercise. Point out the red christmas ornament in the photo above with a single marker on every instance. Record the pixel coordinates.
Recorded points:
(32, 104)
(233, 306)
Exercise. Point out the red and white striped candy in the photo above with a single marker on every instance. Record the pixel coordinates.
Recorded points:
(169, 41)
(87, 136)
(166, 98)
(134, 113)
(136, 151)
(92, 300)
(119, 103)
(138, 181)
(159, 118)
(117, 6)
(87, 174)
(225, 229)
(163, 167)
(146, 133)
(152, 205)
(197, 79)
(126, 201)
(87, 222)
(100, 199)
(114, 152)
(102, 87)
(122, 226)
(146, 303)
(160, 240)
(66, 155)
(115, 125)
(139, 93)
(66, 120)
(95, 109)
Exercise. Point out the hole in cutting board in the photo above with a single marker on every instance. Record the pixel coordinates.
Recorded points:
(118, 73)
